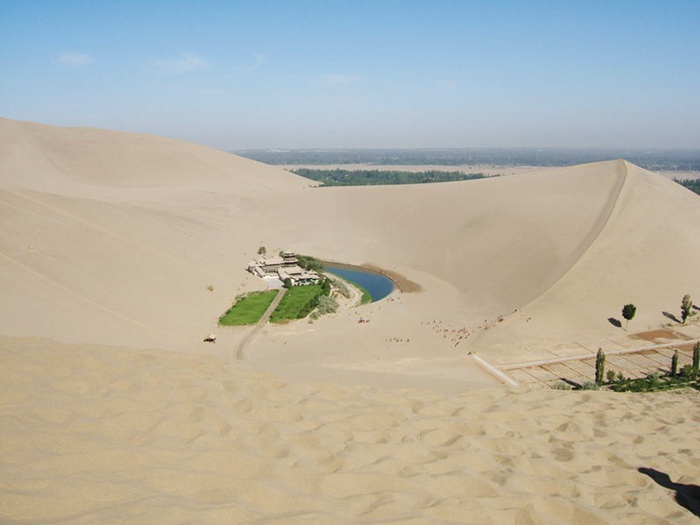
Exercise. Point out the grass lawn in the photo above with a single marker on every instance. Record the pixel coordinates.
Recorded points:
(297, 303)
(248, 309)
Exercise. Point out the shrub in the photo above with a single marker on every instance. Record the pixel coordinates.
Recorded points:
(590, 385)
(686, 307)
(327, 305)
(561, 385)
(688, 372)
(654, 380)
(628, 312)
(310, 263)
(599, 366)
(610, 376)
(326, 286)
(674, 364)
(341, 287)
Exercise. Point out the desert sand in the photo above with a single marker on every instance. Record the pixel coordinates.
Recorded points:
(114, 410)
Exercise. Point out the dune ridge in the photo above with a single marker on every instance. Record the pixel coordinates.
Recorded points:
(120, 251)
(601, 223)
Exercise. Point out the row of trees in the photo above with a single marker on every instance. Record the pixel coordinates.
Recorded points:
(689, 372)
(629, 310)
(340, 177)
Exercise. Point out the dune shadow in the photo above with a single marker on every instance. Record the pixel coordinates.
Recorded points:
(687, 496)
(615, 322)
(671, 316)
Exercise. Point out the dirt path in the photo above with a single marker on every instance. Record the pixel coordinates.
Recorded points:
(262, 322)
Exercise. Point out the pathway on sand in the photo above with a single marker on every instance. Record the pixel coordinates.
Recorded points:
(632, 362)
(262, 322)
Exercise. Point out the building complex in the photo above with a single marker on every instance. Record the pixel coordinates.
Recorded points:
(283, 266)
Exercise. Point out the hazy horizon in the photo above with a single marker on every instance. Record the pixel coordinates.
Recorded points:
(330, 75)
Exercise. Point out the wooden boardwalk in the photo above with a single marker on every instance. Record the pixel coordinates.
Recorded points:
(633, 363)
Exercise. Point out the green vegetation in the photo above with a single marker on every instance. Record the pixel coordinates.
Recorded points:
(262, 250)
(297, 303)
(674, 364)
(599, 366)
(248, 309)
(338, 177)
(691, 184)
(628, 312)
(310, 263)
(686, 308)
(654, 382)
(688, 376)
(341, 287)
(326, 305)
(657, 160)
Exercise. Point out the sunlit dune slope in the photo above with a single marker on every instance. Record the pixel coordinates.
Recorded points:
(115, 237)
(65, 160)
(645, 252)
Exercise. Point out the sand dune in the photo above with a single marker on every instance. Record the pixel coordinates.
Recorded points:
(112, 435)
(60, 160)
(115, 410)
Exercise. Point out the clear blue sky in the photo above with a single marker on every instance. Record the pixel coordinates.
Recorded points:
(355, 73)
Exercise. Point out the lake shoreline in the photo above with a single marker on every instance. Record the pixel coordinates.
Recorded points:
(401, 283)
(376, 285)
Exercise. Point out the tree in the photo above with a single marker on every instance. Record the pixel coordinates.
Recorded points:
(326, 286)
(696, 357)
(674, 364)
(686, 307)
(287, 283)
(599, 366)
(262, 250)
(628, 312)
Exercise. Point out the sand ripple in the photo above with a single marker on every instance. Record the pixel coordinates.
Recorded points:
(94, 434)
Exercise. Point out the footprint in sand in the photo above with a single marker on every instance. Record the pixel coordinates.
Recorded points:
(195, 416)
(562, 454)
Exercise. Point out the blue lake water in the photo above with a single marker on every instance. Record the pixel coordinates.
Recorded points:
(376, 284)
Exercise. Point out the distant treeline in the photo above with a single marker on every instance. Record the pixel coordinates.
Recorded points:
(691, 184)
(678, 160)
(340, 177)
